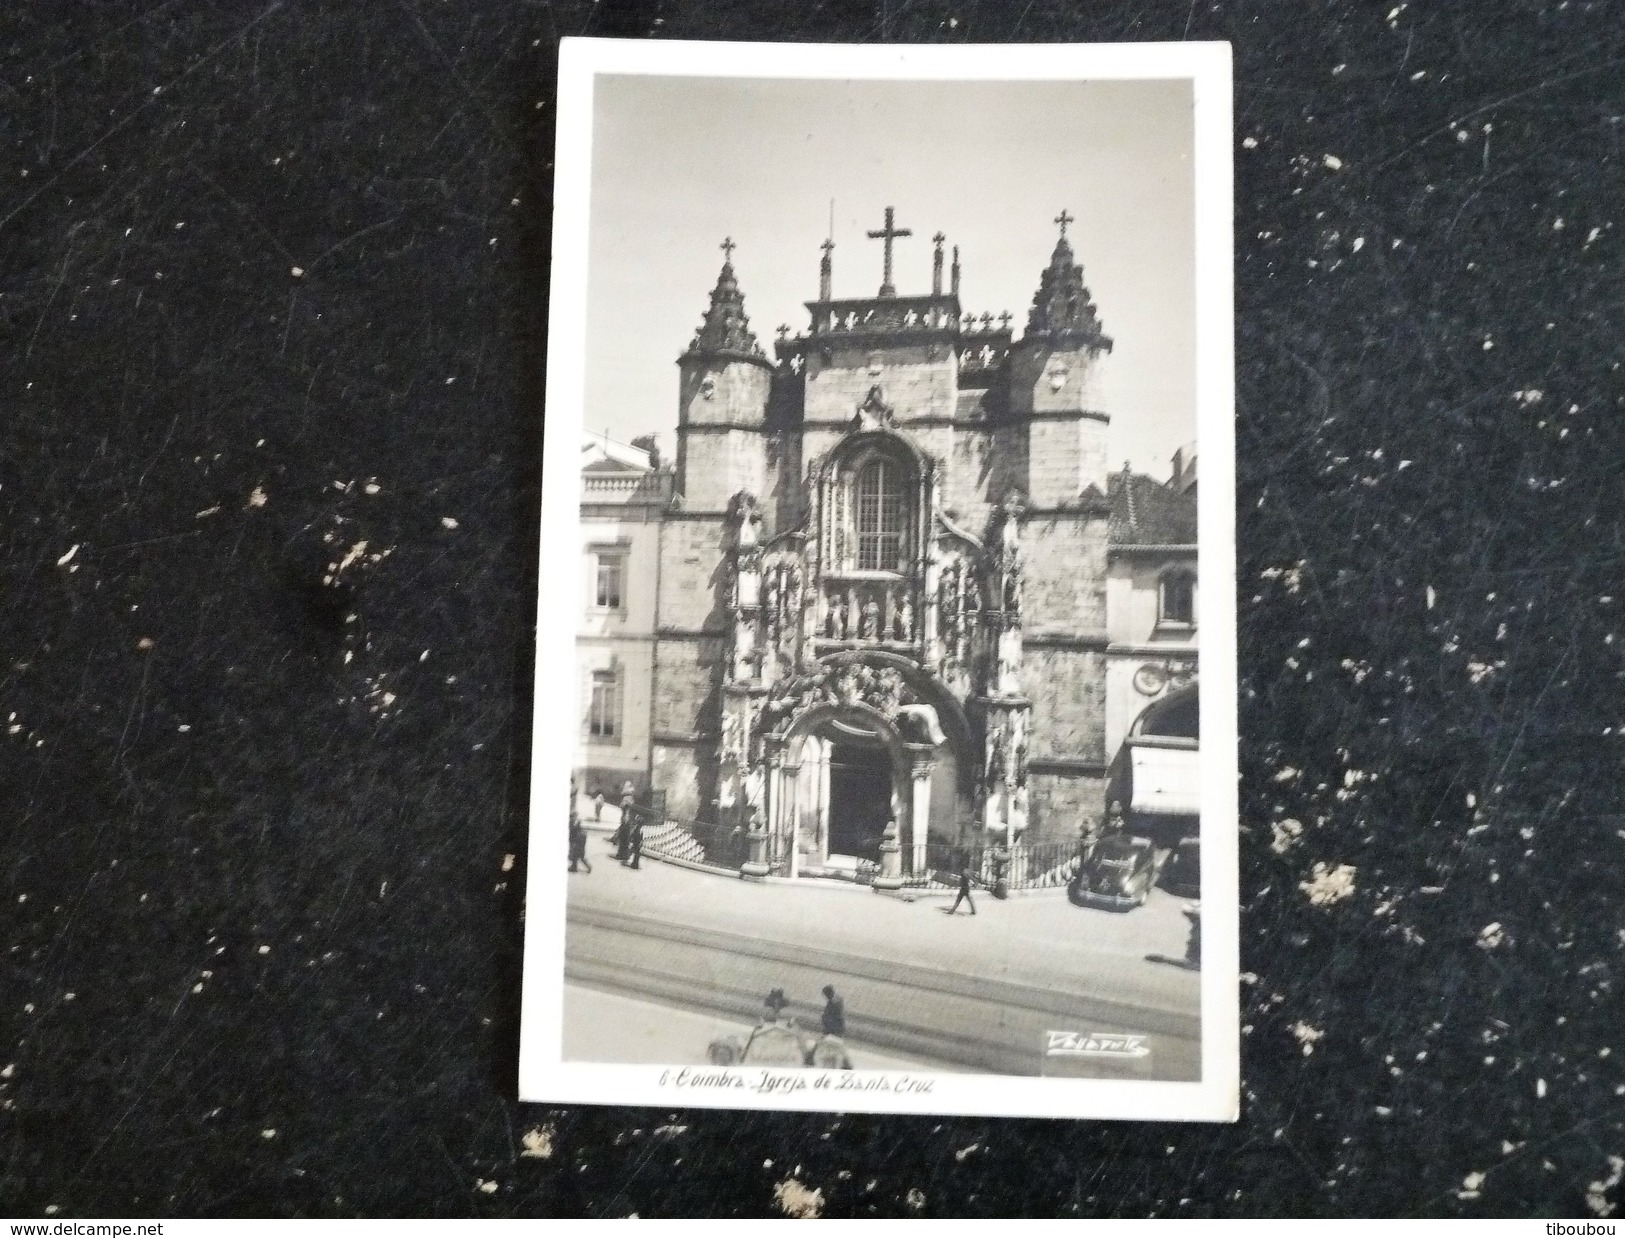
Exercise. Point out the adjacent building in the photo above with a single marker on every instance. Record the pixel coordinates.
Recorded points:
(624, 495)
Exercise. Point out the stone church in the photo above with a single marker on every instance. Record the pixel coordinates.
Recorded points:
(881, 607)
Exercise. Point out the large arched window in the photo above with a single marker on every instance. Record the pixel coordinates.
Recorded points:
(880, 516)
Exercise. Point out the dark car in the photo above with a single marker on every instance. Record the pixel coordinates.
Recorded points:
(1182, 875)
(1117, 875)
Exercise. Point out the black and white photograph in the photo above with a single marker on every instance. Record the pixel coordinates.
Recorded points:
(887, 621)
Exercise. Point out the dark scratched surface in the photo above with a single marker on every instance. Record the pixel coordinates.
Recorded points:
(258, 953)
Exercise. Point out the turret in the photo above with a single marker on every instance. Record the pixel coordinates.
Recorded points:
(726, 381)
(1054, 383)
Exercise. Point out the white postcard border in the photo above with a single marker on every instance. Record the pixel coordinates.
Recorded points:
(543, 1075)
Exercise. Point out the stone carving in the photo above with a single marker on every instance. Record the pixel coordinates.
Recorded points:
(995, 758)
(745, 512)
(905, 619)
(731, 746)
(882, 689)
(1018, 761)
(874, 413)
(773, 613)
(919, 724)
(1012, 588)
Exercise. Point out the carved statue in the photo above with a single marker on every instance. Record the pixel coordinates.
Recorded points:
(973, 597)
(731, 748)
(1012, 588)
(905, 619)
(744, 511)
(995, 759)
(775, 614)
(1018, 761)
(848, 687)
(870, 629)
(843, 619)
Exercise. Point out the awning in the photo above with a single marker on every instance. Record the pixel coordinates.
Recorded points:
(1167, 780)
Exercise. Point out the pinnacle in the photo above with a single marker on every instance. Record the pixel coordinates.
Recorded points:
(726, 327)
(1061, 306)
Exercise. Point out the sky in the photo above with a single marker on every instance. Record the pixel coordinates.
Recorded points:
(680, 163)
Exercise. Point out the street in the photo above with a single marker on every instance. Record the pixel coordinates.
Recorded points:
(610, 1027)
(981, 992)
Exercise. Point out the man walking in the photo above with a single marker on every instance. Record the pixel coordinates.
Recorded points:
(623, 831)
(635, 842)
(834, 1012)
(964, 890)
(578, 843)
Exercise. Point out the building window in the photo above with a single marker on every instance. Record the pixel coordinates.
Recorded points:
(1177, 600)
(609, 584)
(604, 707)
(881, 516)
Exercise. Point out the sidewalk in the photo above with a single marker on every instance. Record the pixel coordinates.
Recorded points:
(1041, 941)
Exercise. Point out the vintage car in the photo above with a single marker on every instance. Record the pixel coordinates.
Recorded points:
(780, 1042)
(1182, 875)
(1117, 874)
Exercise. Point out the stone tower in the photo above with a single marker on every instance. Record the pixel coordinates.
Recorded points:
(724, 386)
(724, 389)
(1054, 383)
(1054, 391)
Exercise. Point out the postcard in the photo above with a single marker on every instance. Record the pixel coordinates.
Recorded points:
(885, 715)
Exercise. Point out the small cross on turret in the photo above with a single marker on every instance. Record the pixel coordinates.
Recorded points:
(727, 247)
(1063, 219)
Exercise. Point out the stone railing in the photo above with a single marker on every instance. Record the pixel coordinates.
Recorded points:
(626, 488)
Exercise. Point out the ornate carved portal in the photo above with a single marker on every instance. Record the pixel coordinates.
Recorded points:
(845, 636)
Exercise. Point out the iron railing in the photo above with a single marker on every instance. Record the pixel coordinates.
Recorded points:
(727, 847)
(1023, 867)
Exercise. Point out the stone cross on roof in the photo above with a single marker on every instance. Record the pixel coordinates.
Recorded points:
(889, 234)
(727, 247)
(1063, 219)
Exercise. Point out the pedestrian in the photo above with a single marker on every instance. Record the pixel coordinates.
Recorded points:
(598, 804)
(578, 844)
(636, 841)
(834, 1012)
(776, 1002)
(964, 890)
(623, 833)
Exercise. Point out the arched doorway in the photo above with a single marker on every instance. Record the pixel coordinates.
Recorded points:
(859, 799)
(1157, 776)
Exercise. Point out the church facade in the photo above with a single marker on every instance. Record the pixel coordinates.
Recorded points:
(881, 608)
